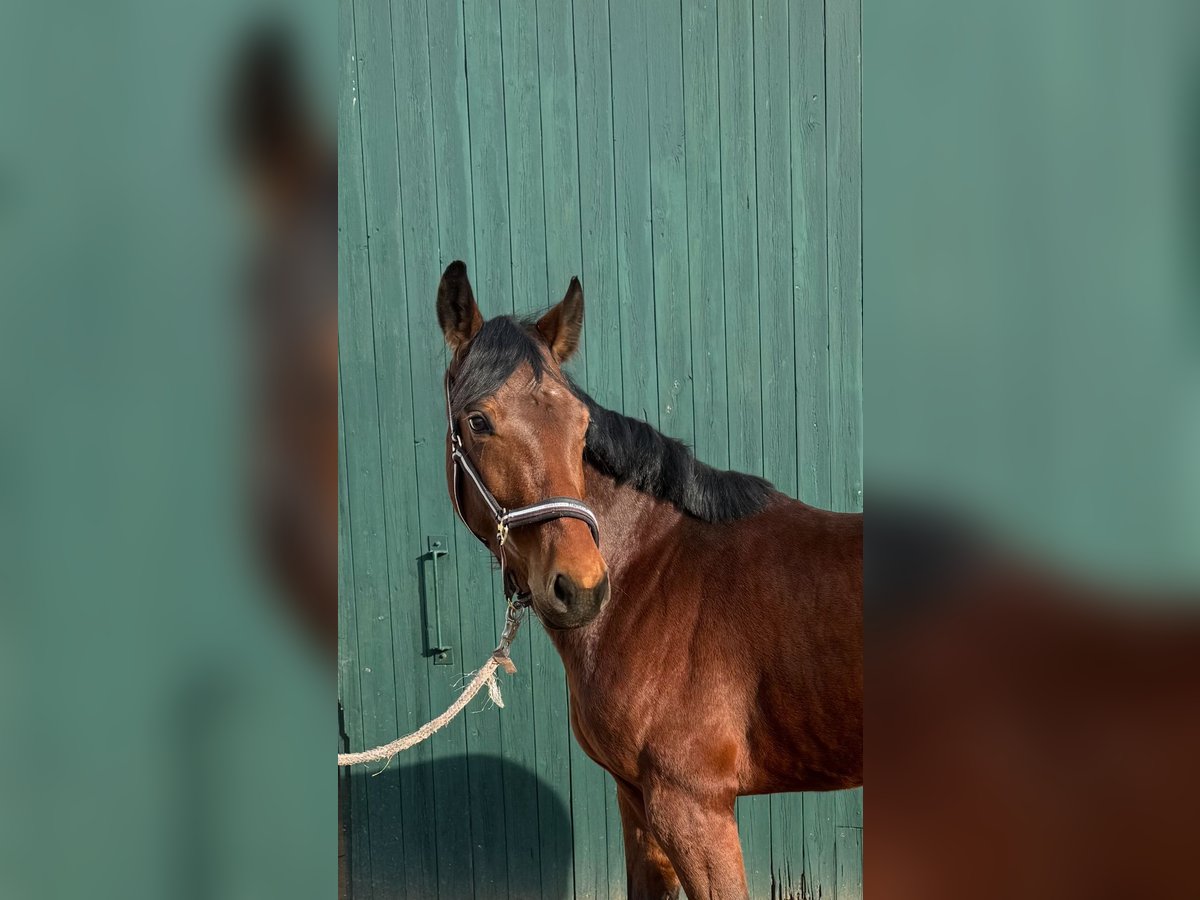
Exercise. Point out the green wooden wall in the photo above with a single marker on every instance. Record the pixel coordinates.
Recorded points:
(697, 163)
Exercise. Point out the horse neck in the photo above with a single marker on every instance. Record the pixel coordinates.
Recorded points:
(630, 520)
(631, 524)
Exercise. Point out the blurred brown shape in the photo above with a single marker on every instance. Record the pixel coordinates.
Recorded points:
(1027, 735)
(291, 174)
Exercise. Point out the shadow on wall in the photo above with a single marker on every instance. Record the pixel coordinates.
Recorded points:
(506, 839)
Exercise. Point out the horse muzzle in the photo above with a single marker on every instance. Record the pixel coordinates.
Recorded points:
(568, 604)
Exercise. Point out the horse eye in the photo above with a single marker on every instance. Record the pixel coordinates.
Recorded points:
(479, 423)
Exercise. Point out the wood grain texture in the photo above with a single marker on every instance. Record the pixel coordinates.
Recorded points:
(844, 176)
(698, 165)
(705, 247)
(669, 219)
(355, 814)
(739, 213)
(635, 245)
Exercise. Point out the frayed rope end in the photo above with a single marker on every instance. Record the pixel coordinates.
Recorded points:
(493, 687)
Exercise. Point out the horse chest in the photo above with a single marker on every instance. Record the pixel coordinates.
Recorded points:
(610, 728)
(624, 705)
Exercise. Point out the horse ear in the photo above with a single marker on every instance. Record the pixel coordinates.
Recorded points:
(457, 311)
(562, 326)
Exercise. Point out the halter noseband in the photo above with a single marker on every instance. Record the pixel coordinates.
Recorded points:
(534, 513)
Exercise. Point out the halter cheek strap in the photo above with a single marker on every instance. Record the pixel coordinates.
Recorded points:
(505, 519)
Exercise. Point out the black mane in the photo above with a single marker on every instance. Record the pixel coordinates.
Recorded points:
(638, 454)
(629, 450)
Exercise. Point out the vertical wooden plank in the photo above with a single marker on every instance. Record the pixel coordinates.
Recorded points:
(523, 137)
(426, 362)
(706, 264)
(560, 157)
(352, 271)
(787, 841)
(485, 745)
(616, 845)
(754, 828)
(635, 264)
(401, 858)
(773, 172)
(810, 250)
(553, 766)
(553, 753)
(844, 129)
(588, 785)
(451, 133)
(358, 835)
(597, 201)
(739, 200)
(486, 113)
(820, 840)
(772, 142)
(849, 848)
(669, 219)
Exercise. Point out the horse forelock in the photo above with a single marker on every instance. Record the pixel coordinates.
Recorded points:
(502, 345)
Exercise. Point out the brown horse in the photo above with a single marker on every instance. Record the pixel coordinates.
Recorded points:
(712, 641)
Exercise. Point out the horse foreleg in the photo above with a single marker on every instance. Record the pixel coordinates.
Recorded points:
(701, 839)
(648, 872)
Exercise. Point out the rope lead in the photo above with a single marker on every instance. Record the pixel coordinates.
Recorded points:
(485, 676)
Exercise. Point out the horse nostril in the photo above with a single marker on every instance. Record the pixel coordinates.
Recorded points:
(564, 590)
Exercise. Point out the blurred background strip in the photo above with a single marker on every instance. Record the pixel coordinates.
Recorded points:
(168, 704)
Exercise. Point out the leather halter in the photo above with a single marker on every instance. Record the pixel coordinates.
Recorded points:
(505, 519)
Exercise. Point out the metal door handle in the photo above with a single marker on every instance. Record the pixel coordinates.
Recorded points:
(441, 652)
